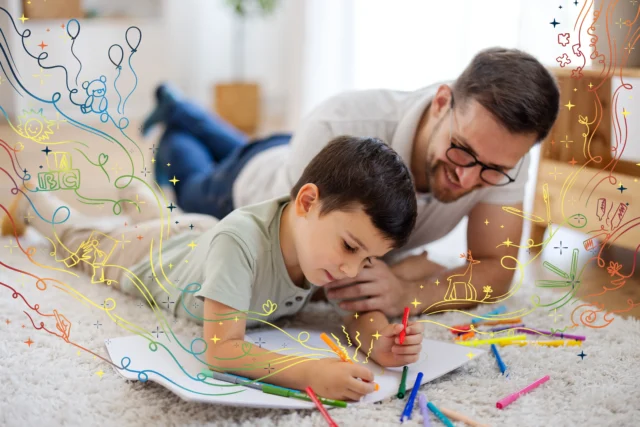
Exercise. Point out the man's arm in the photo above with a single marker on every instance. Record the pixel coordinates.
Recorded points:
(384, 288)
(491, 235)
(416, 267)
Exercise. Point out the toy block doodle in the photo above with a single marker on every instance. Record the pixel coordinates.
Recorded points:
(60, 175)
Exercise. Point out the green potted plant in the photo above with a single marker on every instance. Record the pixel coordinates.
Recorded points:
(238, 101)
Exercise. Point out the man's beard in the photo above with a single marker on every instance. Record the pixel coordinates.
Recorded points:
(439, 189)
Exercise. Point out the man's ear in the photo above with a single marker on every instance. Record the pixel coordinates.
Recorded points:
(441, 101)
(308, 197)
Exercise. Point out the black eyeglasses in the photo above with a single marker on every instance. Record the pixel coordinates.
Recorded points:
(463, 157)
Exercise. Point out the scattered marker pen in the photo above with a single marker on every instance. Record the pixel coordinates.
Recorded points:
(503, 403)
(412, 397)
(501, 364)
(405, 320)
(402, 390)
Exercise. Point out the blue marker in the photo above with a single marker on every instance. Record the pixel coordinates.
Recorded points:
(442, 417)
(501, 364)
(412, 397)
(495, 312)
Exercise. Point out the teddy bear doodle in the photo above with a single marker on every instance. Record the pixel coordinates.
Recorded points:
(96, 101)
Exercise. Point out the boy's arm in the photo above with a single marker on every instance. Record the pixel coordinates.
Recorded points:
(228, 351)
(368, 324)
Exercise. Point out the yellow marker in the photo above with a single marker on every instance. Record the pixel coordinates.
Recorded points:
(474, 343)
(547, 343)
(339, 352)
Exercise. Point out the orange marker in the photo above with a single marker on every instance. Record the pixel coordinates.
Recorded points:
(501, 322)
(405, 319)
(464, 337)
(341, 354)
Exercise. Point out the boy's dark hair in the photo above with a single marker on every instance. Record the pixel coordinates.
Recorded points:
(352, 171)
(514, 87)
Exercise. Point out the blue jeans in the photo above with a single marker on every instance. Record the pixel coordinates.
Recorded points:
(206, 156)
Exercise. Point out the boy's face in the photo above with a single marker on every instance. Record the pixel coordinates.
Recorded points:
(336, 245)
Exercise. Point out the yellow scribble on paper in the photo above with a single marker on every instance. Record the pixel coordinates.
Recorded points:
(355, 354)
(369, 352)
(344, 350)
(347, 335)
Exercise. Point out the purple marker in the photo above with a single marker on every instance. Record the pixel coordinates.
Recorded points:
(502, 328)
(553, 334)
(422, 401)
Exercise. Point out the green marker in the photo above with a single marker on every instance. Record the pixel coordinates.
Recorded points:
(279, 391)
(236, 379)
(403, 383)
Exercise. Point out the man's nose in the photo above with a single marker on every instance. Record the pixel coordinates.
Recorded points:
(469, 177)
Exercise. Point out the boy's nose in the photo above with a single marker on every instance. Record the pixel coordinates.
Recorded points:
(349, 271)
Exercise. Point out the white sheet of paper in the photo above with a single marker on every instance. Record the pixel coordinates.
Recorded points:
(135, 353)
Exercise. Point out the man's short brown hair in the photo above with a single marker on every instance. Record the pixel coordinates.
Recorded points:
(517, 89)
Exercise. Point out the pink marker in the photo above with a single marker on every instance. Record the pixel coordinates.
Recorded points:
(503, 403)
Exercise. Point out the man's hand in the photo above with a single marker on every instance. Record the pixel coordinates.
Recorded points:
(379, 287)
(416, 267)
(387, 350)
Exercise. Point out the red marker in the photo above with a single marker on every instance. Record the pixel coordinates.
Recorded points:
(455, 330)
(321, 408)
(405, 319)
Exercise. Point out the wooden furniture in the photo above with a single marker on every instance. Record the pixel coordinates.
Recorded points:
(239, 104)
(52, 9)
(565, 151)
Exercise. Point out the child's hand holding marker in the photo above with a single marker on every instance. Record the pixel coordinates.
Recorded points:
(345, 359)
(388, 351)
(334, 379)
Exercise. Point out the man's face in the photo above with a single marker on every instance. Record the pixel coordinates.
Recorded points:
(336, 245)
(476, 130)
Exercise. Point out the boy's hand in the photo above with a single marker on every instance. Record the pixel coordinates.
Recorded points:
(334, 379)
(387, 350)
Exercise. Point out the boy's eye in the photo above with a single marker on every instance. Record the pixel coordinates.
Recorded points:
(349, 248)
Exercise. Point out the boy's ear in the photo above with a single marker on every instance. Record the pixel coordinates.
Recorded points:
(307, 197)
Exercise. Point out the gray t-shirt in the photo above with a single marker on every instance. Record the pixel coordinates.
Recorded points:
(238, 263)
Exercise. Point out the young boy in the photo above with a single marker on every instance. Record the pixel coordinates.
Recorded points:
(354, 202)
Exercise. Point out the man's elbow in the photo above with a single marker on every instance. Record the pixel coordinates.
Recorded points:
(502, 283)
(505, 280)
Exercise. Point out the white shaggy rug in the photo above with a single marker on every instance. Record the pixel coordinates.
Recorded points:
(54, 383)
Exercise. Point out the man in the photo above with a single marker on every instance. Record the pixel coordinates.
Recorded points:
(466, 144)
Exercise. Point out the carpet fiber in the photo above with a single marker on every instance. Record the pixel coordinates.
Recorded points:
(52, 382)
